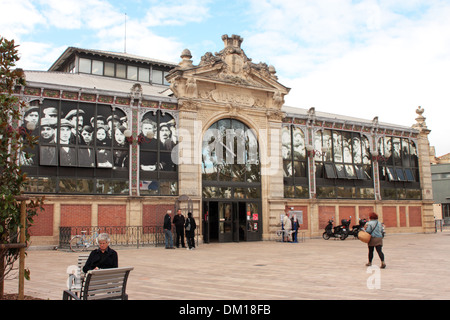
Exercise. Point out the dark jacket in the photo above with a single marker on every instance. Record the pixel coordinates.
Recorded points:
(105, 260)
(191, 232)
(167, 222)
(178, 221)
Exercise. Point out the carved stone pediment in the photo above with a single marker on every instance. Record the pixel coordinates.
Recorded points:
(228, 77)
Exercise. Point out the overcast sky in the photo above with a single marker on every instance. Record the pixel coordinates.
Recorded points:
(361, 58)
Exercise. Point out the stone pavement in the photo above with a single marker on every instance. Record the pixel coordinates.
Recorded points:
(417, 269)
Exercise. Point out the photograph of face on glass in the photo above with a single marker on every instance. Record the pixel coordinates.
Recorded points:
(78, 134)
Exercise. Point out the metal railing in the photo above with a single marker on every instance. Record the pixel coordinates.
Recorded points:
(128, 236)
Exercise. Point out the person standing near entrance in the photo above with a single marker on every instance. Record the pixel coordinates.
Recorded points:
(168, 230)
(287, 226)
(179, 222)
(190, 231)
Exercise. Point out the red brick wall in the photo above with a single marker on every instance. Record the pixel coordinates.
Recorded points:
(325, 214)
(112, 215)
(415, 217)
(364, 212)
(75, 215)
(402, 212)
(390, 216)
(153, 214)
(43, 222)
(345, 212)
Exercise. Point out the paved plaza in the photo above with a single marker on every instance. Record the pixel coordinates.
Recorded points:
(417, 269)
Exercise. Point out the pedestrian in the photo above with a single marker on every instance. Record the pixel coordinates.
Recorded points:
(295, 226)
(375, 228)
(287, 226)
(102, 258)
(179, 222)
(190, 227)
(168, 230)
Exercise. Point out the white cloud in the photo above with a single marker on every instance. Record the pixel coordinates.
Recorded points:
(366, 58)
(176, 13)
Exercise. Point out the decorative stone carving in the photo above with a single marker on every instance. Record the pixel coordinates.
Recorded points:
(191, 88)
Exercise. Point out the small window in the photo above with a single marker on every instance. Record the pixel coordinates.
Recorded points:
(144, 75)
(409, 175)
(109, 69)
(85, 65)
(97, 67)
(132, 73)
(157, 76)
(329, 170)
(121, 71)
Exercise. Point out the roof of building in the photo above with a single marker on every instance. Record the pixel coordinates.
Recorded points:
(117, 55)
(292, 111)
(92, 83)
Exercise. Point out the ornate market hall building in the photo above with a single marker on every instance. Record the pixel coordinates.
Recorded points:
(123, 138)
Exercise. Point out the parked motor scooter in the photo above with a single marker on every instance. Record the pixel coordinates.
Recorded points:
(357, 228)
(336, 232)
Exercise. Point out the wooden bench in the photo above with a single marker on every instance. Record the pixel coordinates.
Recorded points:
(102, 284)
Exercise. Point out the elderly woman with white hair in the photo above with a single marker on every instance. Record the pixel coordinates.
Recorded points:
(102, 258)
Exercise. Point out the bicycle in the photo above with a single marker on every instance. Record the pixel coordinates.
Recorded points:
(83, 242)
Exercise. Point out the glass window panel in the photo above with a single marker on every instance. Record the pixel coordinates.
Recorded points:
(350, 171)
(132, 73)
(67, 185)
(347, 146)
(400, 174)
(48, 156)
(340, 171)
(325, 192)
(337, 146)
(299, 169)
(391, 174)
(396, 151)
(144, 74)
(409, 175)
(148, 160)
(121, 71)
(365, 150)
(239, 193)
(157, 76)
(84, 65)
(301, 192)
(164, 78)
(148, 187)
(67, 156)
(356, 150)
(104, 158)
(329, 170)
(97, 67)
(86, 157)
(166, 163)
(288, 170)
(85, 186)
(109, 69)
(327, 142)
(298, 144)
(286, 143)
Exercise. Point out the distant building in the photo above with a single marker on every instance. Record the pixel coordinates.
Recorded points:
(123, 137)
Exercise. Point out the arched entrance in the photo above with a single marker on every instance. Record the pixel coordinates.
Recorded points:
(231, 183)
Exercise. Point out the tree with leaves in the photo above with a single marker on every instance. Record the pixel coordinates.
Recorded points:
(13, 140)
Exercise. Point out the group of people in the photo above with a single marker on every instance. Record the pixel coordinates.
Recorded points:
(373, 227)
(104, 257)
(182, 226)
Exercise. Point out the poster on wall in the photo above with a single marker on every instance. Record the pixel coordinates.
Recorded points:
(297, 214)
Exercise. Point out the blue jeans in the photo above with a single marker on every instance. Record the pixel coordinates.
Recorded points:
(168, 238)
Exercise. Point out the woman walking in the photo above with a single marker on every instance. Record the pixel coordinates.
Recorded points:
(375, 228)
